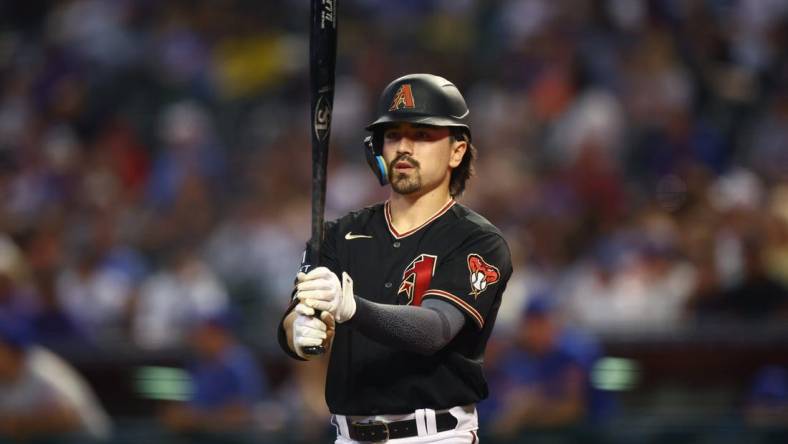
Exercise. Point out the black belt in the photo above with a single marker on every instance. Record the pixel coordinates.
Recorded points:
(376, 431)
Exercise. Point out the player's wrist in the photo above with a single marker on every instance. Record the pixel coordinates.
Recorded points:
(359, 311)
(347, 311)
(346, 307)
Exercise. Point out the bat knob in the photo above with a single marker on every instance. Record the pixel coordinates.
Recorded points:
(314, 350)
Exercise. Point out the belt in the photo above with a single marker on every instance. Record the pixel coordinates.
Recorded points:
(377, 431)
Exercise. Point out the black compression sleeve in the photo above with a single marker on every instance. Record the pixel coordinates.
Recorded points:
(423, 330)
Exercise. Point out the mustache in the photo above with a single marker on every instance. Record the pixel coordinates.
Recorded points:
(404, 158)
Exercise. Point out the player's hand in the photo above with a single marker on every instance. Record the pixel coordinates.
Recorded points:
(311, 331)
(320, 289)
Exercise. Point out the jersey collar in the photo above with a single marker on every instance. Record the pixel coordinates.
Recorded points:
(398, 235)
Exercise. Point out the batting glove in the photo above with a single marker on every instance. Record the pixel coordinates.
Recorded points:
(320, 289)
(309, 330)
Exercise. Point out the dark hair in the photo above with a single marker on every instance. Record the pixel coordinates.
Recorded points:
(464, 170)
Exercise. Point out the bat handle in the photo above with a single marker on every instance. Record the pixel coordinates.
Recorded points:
(314, 350)
(313, 257)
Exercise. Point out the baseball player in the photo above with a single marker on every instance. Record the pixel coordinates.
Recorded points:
(408, 289)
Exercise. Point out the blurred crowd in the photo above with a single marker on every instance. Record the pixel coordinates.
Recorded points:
(155, 161)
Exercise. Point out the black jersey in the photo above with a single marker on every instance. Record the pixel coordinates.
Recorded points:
(455, 256)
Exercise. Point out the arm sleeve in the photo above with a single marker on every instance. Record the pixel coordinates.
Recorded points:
(328, 259)
(423, 330)
(474, 276)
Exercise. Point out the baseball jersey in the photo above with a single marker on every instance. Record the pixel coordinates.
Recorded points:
(455, 256)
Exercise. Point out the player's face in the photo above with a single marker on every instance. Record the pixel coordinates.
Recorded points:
(419, 157)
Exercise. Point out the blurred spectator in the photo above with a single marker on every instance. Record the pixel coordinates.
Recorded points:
(543, 380)
(52, 325)
(627, 286)
(15, 300)
(103, 232)
(190, 152)
(94, 30)
(769, 139)
(776, 245)
(246, 252)
(95, 298)
(767, 401)
(170, 300)
(32, 297)
(227, 385)
(756, 295)
(41, 396)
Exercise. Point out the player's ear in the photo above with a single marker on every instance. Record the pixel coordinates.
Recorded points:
(458, 148)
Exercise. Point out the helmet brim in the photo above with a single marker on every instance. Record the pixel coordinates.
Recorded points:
(422, 120)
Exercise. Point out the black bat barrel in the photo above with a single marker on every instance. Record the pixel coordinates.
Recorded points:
(322, 63)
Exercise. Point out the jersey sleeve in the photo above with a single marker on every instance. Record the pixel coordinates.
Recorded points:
(473, 276)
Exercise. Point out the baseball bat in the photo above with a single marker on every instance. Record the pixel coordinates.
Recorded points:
(322, 63)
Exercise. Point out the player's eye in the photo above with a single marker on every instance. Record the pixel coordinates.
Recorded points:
(422, 135)
(391, 135)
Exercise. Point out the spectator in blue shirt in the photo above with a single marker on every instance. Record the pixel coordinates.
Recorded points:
(226, 385)
(542, 382)
(767, 403)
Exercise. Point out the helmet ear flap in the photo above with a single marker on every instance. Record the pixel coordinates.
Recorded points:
(374, 156)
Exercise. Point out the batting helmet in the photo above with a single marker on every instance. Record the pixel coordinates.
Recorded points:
(415, 98)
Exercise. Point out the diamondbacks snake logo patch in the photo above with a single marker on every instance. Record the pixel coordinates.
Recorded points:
(482, 274)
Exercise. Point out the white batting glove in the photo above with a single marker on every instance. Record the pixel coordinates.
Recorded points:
(309, 330)
(320, 289)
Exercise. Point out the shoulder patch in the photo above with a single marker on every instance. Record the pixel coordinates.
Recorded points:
(482, 274)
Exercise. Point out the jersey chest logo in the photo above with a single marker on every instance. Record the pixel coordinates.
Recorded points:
(416, 279)
(482, 274)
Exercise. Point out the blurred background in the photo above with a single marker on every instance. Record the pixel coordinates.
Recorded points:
(154, 203)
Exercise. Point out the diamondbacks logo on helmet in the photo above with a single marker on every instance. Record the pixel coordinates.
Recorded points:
(482, 274)
(403, 98)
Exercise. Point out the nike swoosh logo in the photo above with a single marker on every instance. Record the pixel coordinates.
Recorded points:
(351, 236)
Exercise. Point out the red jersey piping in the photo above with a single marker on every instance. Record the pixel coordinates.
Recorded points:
(398, 235)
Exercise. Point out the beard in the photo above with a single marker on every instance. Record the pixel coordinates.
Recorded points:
(405, 183)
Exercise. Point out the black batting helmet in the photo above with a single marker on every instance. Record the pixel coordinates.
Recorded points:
(426, 99)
